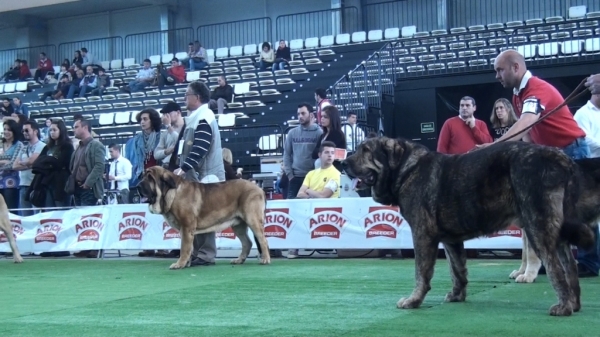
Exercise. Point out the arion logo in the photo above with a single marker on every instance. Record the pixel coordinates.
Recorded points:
(278, 222)
(327, 222)
(89, 228)
(132, 226)
(382, 221)
(47, 230)
(169, 232)
(17, 228)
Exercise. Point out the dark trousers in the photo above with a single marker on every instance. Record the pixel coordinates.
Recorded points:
(84, 197)
(11, 196)
(294, 186)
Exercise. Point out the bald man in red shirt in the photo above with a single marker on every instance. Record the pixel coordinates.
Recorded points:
(532, 99)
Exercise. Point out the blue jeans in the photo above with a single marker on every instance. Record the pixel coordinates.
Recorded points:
(138, 85)
(197, 65)
(24, 203)
(279, 65)
(590, 259)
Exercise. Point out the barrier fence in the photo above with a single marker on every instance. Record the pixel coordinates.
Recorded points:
(143, 45)
(235, 33)
(252, 141)
(106, 49)
(426, 15)
(30, 54)
(317, 23)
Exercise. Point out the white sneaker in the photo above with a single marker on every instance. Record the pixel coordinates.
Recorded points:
(292, 253)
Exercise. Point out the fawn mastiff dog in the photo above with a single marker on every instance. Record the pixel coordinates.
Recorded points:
(454, 198)
(194, 208)
(6, 227)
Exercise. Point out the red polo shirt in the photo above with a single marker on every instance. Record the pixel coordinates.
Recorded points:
(558, 130)
(456, 137)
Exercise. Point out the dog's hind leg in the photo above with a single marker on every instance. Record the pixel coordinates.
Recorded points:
(570, 268)
(7, 229)
(457, 259)
(521, 269)
(241, 230)
(533, 263)
(425, 254)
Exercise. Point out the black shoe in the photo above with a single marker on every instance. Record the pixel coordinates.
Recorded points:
(196, 261)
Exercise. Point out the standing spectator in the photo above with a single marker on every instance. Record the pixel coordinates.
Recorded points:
(119, 174)
(169, 136)
(282, 57)
(103, 81)
(230, 173)
(9, 178)
(299, 145)
(221, 95)
(14, 73)
(201, 159)
(267, 56)
(44, 67)
(331, 123)
(354, 134)
(27, 156)
(172, 76)
(464, 132)
(588, 119)
(198, 57)
(144, 78)
(25, 72)
(322, 101)
(20, 109)
(87, 167)
(502, 118)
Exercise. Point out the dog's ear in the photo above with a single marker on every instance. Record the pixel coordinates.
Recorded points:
(169, 179)
(393, 151)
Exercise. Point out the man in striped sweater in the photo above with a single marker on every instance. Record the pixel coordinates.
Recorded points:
(201, 159)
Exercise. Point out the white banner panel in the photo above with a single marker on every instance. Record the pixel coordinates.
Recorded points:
(347, 223)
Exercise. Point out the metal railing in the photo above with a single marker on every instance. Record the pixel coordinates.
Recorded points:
(141, 46)
(235, 33)
(425, 15)
(246, 141)
(105, 49)
(317, 23)
(30, 54)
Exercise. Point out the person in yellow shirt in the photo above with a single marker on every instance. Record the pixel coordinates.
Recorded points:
(323, 182)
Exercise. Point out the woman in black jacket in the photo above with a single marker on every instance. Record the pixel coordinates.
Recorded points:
(332, 131)
(282, 56)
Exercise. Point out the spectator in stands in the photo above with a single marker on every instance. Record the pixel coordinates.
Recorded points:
(103, 81)
(45, 130)
(28, 154)
(88, 58)
(25, 72)
(322, 101)
(354, 134)
(169, 136)
(323, 182)
(9, 178)
(593, 84)
(77, 59)
(119, 174)
(221, 95)
(201, 159)
(331, 123)
(502, 118)
(14, 73)
(64, 70)
(144, 78)
(20, 109)
(230, 173)
(464, 132)
(6, 107)
(267, 57)
(282, 57)
(75, 68)
(43, 68)
(172, 76)
(298, 148)
(532, 99)
(61, 89)
(198, 58)
(86, 85)
(51, 169)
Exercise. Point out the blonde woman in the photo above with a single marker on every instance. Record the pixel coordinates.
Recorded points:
(230, 174)
(502, 118)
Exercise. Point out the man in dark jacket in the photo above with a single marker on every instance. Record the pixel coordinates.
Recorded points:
(222, 95)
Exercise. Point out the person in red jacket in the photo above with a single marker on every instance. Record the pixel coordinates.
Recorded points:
(532, 99)
(44, 67)
(462, 133)
(175, 74)
(25, 72)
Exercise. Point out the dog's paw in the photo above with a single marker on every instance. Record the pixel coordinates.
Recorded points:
(452, 297)
(561, 310)
(239, 260)
(408, 303)
(265, 260)
(526, 278)
(18, 259)
(177, 265)
(516, 273)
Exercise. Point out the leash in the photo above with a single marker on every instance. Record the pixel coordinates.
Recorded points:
(574, 95)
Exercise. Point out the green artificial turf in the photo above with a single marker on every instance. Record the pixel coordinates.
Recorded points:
(333, 297)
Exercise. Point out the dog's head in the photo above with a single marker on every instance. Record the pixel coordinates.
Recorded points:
(155, 186)
(378, 163)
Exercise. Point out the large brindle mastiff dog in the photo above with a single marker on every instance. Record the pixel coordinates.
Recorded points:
(194, 208)
(6, 227)
(453, 198)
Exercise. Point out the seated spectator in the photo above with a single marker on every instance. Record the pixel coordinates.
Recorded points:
(198, 57)
(6, 108)
(88, 58)
(61, 89)
(172, 76)
(74, 69)
(230, 173)
(267, 57)
(282, 56)
(222, 95)
(144, 78)
(103, 83)
(25, 72)
(50, 78)
(77, 60)
(20, 109)
(81, 87)
(64, 70)
(14, 73)
(44, 67)
(325, 181)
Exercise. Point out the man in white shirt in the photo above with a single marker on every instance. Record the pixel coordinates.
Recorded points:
(119, 174)
(144, 78)
(588, 118)
(24, 162)
(354, 134)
